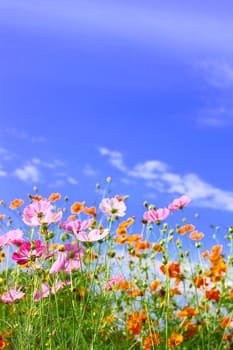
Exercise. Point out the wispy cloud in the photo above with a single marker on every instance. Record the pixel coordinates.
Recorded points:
(72, 180)
(115, 158)
(218, 117)
(51, 165)
(22, 135)
(218, 73)
(28, 173)
(158, 177)
(89, 171)
(3, 172)
(5, 154)
(171, 26)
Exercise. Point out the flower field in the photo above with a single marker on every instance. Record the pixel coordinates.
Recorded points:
(74, 276)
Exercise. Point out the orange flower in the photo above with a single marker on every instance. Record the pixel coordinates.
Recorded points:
(135, 293)
(187, 312)
(77, 207)
(142, 245)
(125, 285)
(213, 294)
(72, 217)
(175, 339)
(205, 254)
(2, 216)
(36, 197)
(150, 341)
(16, 203)
(54, 197)
(92, 256)
(231, 293)
(226, 322)
(158, 248)
(135, 322)
(227, 337)
(173, 270)
(121, 231)
(175, 291)
(90, 211)
(184, 229)
(200, 281)
(133, 238)
(215, 253)
(121, 240)
(190, 328)
(155, 285)
(196, 236)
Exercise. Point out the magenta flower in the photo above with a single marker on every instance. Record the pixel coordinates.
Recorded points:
(11, 237)
(179, 203)
(12, 296)
(76, 226)
(112, 207)
(92, 236)
(29, 251)
(114, 281)
(40, 213)
(69, 258)
(156, 215)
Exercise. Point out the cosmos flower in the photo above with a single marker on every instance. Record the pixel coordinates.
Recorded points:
(40, 213)
(29, 251)
(112, 207)
(156, 215)
(114, 281)
(69, 258)
(92, 236)
(179, 203)
(12, 296)
(16, 203)
(76, 226)
(11, 237)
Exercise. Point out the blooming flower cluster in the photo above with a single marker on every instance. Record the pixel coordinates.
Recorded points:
(94, 281)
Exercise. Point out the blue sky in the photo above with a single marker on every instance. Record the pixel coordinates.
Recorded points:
(140, 91)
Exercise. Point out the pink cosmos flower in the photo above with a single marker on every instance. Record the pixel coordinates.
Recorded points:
(46, 290)
(68, 259)
(29, 251)
(40, 213)
(156, 215)
(12, 296)
(114, 281)
(179, 203)
(92, 236)
(11, 237)
(76, 226)
(44, 293)
(112, 207)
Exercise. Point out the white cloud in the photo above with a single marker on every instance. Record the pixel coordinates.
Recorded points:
(175, 27)
(6, 154)
(89, 171)
(19, 134)
(72, 181)
(3, 172)
(218, 73)
(216, 117)
(29, 173)
(51, 165)
(148, 170)
(115, 158)
(158, 178)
